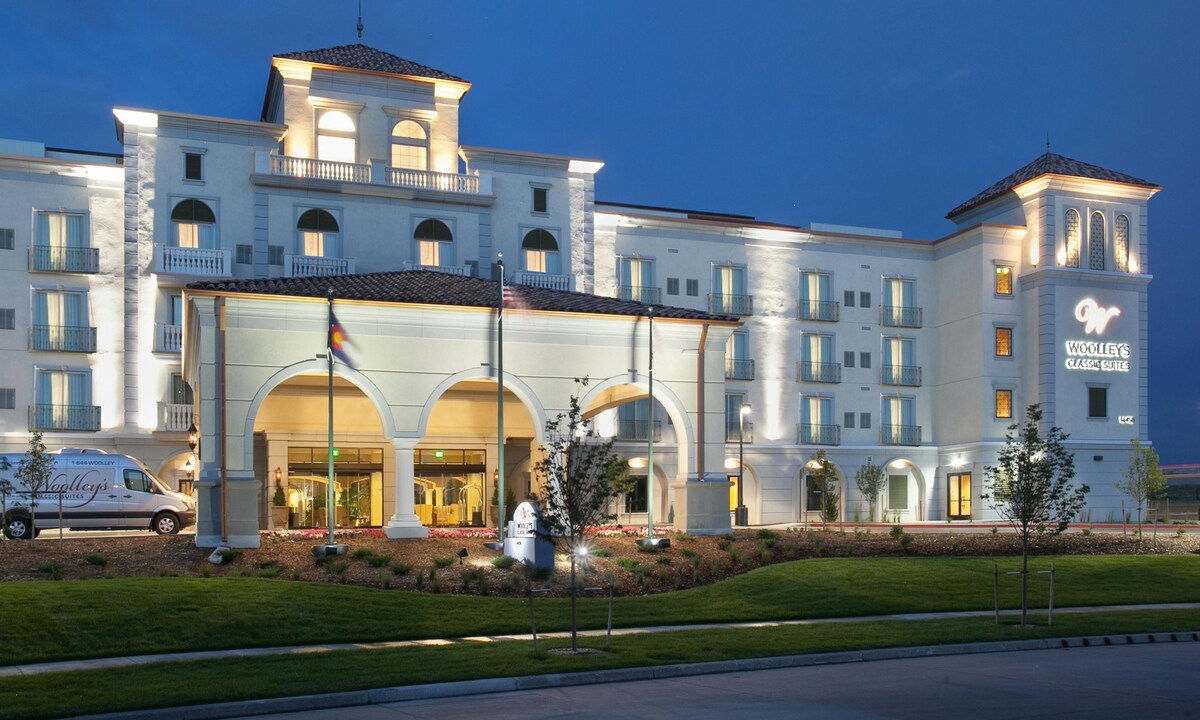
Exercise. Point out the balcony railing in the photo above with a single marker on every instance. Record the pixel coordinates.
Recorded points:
(900, 375)
(313, 266)
(79, 418)
(822, 310)
(176, 418)
(62, 338)
(808, 434)
(731, 304)
(448, 182)
(900, 434)
(819, 372)
(373, 173)
(168, 338)
(58, 258)
(447, 269)
(636, 430)
(733, 432)
(320, 169)
(739, 369)
(637, 293)
(544, 280)
(900, 316)
(200, 262)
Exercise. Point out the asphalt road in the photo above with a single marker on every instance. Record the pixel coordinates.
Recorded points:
(1155, 680)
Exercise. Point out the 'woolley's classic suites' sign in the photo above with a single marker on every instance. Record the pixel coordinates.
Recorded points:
(1092, 354)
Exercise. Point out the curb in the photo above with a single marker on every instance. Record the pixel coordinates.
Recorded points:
(486, 686)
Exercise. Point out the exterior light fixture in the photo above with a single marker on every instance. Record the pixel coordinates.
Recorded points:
(741, 514)
(193, 437)
(278, 475)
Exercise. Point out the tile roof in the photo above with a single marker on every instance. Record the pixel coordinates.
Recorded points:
(1047, 164)
(363, 57)
(434, 288)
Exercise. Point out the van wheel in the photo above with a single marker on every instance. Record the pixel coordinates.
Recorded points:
(18, 527)
(166, 523)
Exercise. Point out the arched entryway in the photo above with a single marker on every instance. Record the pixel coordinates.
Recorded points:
(751, 494)
(811, 494)
(903, 496)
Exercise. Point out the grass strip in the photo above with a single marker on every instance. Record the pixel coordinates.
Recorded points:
(47, 621)
(211, 681)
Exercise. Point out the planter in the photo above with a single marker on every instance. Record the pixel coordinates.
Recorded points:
(279, 517)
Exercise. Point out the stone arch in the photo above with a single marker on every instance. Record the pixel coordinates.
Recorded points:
(313, 367)
(802, 484)
(684, 433)
(752, 491)
(912, 467)
(512, 383)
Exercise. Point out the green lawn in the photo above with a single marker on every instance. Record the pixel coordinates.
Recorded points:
(47, 621)
(177, 684)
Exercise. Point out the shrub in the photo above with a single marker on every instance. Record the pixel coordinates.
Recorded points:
(600, 552)
(378, 561)
(230, 555)
(362, 554)
(503, 562)
(443, 562)
(95, 559)
(766, 534)
(897, 531)
(906, 543)
(664, 560)
(401, 568)
(54, 570)
(725, 542)
(689, 553)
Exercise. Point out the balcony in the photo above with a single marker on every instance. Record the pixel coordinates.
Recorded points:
(731, 304)
(313, 266)
(544, 280)
(900, 316)
(176, 418)
(733, 433)
(58, 258)
(809, 434)
(373, 173)
(73, 418)
(644, 295)
(900, 375)
(62, 338)
(168, 338)
(739, 369)
(196, 262)
(462, 270)
(900, 434)
(820, 310)
(819, 372)
(636, 430)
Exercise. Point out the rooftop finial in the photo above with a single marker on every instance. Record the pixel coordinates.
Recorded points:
(1047, 133)
(360, 19)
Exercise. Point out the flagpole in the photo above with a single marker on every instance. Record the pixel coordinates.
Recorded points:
(329, 498)
(500, 517)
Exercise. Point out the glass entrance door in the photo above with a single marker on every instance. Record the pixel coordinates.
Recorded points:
(450, 488)
(959, 491)
(357, 487)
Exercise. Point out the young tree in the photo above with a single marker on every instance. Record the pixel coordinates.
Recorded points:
(1142, 480)
(35, 471)
(824, 477)
(870, 480)
(6, 489)
(1031, 487)
(581, 476)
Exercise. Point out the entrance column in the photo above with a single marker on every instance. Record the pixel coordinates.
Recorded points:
(404, 523)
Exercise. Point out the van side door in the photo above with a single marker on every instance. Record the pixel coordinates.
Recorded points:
(139, 499)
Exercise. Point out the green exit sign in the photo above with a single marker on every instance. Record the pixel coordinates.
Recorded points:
(439, 454)
(336, 452)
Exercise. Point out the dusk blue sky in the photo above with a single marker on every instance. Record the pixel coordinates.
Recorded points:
(881, 114)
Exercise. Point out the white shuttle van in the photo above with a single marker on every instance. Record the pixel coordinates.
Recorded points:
(92, 490)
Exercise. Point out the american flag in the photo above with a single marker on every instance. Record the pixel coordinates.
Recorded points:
(508, 295)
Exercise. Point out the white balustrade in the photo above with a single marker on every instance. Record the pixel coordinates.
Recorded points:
(544, 280)
(447, 269)
(201, 262)
(312, 266)
(169, 339)
(426, 180)
(320, 169)
(372, 173)
(176, 418)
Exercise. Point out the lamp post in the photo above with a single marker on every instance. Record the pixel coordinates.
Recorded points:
(741, 516)
(188, 467)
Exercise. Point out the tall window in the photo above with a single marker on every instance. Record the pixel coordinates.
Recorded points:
(539, 252)
(738, 365)
(195, 225)
(64, 400)
(435, 243)
(729, 290)
(58, 239)
(1004, 342)
(318, 233)
(899, 305)
(1097, 402)
(816, 359)
(816, 298)
(958, 486)
(181, 392)
(633, 420)
(1073, 238)
(410, 146)
(1096, 242)
(60, 321)
(899, 421)
(898, 492)
(1121, 244)
(899, 367)
(336, 137)
(1003, 403)
(816, 421)
(1004, 280)
(637, 280)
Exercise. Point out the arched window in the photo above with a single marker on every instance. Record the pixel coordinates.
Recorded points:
(1072, 242)
(539, 252)
(435, 243)
(1121, 244)
(336, 137)
(1096, 242)
(318, 231)
(410, 146)
(195, 225)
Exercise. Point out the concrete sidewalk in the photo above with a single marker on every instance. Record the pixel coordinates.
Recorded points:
(115, 662)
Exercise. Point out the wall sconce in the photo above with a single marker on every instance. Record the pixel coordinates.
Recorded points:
(193, 437)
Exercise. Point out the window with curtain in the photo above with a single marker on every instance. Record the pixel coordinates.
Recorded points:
(637, 280)
(729, 289)
(733, 415)
(1121, 243)
(899, 420)
(435, 243)
(60, 321)
(59, 239)
(1096, 242)
(539, 252)
(336, 137)
(410, 146)
(898, 302)
(633, 420)
(1073, 238)
(195, 225)
(816, 297)
(319, 233)
(816, 420)
(817, 360)
(899, 367)
(64, 400)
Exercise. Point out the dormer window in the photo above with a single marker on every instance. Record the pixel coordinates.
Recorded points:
(435, 243)
(410, 146)
(195, 225)
(318, 233)
(336, 137)
(539, 252)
